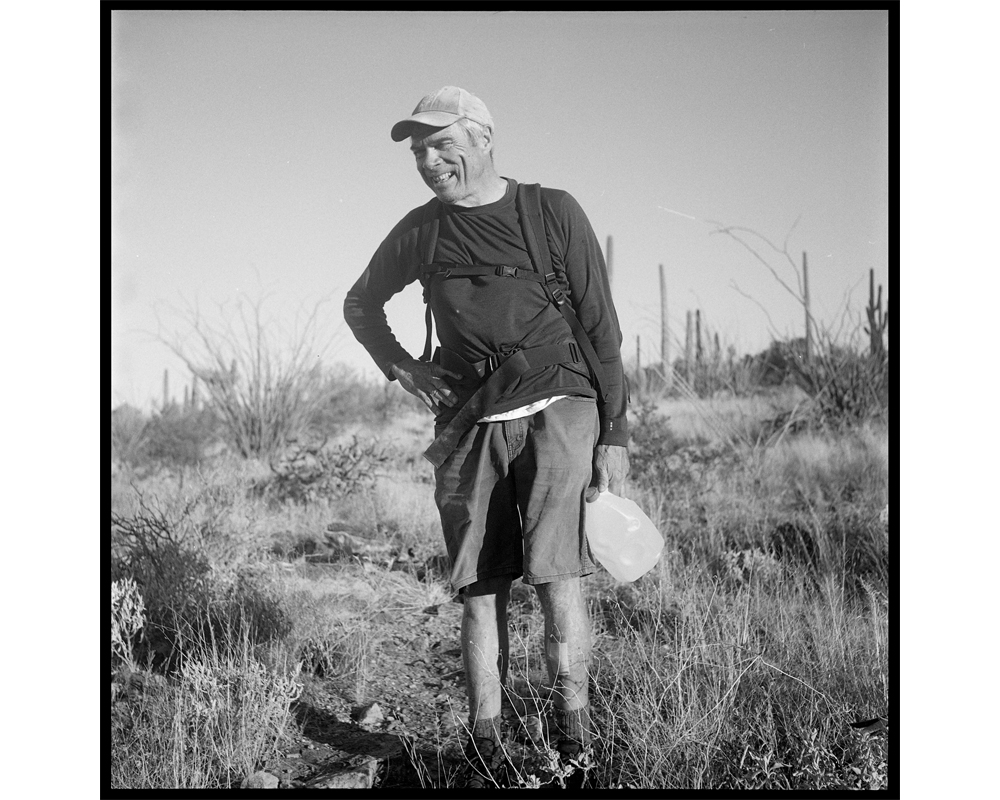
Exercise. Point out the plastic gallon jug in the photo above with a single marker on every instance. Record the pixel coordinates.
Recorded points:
(622, 537)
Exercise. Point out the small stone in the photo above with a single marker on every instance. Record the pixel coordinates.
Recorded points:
(360, 777)
(368, 715)
(419, 644)
(260, 780)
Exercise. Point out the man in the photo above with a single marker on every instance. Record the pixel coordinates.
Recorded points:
(529, 398)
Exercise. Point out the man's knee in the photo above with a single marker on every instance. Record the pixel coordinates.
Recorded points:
(498, 587)
(557, 595)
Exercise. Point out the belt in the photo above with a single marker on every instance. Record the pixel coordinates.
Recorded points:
(500, 371)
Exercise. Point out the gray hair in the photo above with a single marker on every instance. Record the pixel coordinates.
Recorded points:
(474, 130)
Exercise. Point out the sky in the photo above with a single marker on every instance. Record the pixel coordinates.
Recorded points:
(251, 161)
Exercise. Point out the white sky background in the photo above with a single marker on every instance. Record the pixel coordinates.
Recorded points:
(251, 156)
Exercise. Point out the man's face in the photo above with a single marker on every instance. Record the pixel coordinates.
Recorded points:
(456, 168)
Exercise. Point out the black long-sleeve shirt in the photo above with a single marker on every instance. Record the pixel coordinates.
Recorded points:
(476, 318)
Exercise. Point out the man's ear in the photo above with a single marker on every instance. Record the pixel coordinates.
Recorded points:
(487, 140)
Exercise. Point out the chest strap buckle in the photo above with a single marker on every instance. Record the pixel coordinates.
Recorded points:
(494, 360)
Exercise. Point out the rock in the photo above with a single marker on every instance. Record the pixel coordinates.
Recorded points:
(420, 643)
(368, 716)
(347, 540)
(361, 776)
(131, 684)
(260, 780)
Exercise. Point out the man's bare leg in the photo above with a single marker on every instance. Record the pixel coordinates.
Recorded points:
(485, 646)
(567, 650)
(567, 641)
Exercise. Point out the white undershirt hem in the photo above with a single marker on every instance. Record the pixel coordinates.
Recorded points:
(523, 411)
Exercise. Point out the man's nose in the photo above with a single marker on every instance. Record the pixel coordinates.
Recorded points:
(430, 158)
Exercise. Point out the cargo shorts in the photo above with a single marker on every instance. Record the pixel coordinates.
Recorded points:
(512, 496)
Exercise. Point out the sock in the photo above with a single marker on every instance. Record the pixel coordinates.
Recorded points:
(488, 728)
(574, 725)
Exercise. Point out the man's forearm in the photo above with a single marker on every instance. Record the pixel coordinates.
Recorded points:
(370, 327)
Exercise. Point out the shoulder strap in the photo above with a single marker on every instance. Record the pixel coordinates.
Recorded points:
(529, 211)
(426, 245)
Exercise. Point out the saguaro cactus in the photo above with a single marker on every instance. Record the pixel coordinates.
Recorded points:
(688, 347)
(699, 354)
(805, 303)
(665, 365)
(877, 318)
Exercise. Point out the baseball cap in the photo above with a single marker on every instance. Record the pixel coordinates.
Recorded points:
(442, 108)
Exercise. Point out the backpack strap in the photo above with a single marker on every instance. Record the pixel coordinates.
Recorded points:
(528, 202)
(426, 245)
(447, 270)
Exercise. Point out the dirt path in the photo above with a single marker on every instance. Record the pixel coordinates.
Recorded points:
(418, 683)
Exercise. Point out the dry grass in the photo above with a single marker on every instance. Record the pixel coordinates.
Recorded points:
(223, 713)
(732, 665)
(702, 690)
(726, 418)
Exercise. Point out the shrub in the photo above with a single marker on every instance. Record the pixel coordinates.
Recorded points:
(667, 467)
(152, 550)
(180, 438)
(307, 473)
(848, 388)
(350, 398)
(189, 580)
(264, 386)
(651, 442)
(127, 619)
(129, 437)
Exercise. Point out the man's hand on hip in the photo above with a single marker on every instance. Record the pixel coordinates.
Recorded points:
(610, 470)
(426, 380)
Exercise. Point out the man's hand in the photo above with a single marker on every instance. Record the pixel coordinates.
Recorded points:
(610, 470)
(427, 381)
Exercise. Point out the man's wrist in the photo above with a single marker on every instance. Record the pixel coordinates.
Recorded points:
(390, 370)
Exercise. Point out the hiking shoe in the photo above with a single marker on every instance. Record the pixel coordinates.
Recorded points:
(575, 760)
(486, 766)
